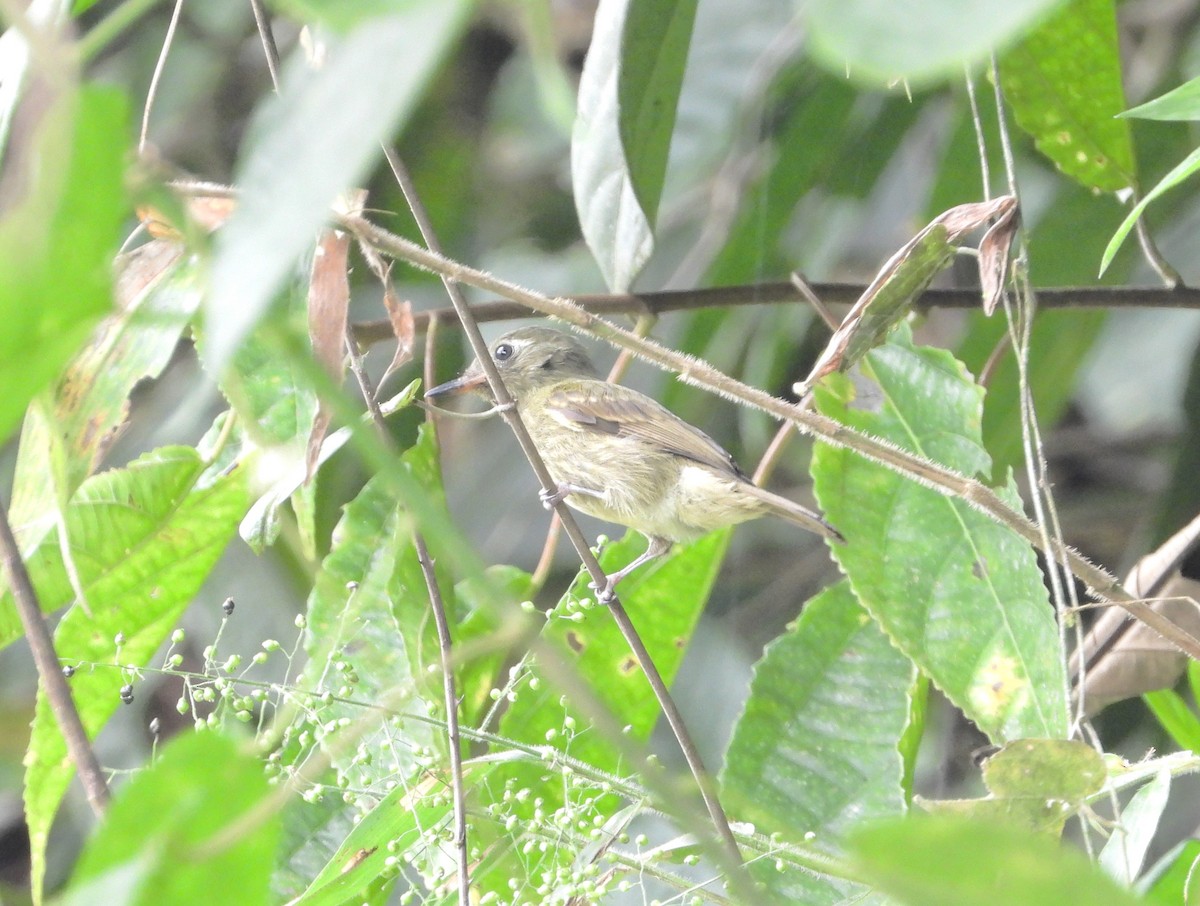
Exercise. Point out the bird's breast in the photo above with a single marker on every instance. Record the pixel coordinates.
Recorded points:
(658, 493)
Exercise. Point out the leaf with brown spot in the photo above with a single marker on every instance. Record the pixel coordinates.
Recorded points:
(909, 272)
(69, 429)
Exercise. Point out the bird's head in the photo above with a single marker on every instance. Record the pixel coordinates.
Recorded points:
(528, 358)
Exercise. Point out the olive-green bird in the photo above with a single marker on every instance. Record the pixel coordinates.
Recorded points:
(619, 455)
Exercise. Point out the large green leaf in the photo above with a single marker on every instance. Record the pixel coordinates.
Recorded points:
(318, 137)
(1181, 103)
(370, 631)
(68, 430)
(628, 93)
(927, 861)
(1035, 784)
(959, 594)
(57, 239)
(1064, 84)
(665, 601)
(816, 749)
(918, 41)
(143, 539)
(406, 820)
(175, 821)
(655, 38)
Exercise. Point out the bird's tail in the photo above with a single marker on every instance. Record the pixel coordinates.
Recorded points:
(793, 512)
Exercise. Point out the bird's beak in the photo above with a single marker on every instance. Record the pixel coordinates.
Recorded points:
(470, 380)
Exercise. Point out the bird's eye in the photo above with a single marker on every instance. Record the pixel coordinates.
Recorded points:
(503, 352)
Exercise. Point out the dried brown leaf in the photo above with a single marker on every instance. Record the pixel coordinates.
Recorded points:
(400, 315)
(907, 274)
(328, 311)
(1124, 657)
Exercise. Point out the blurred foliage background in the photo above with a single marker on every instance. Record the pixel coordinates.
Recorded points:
(781, 161)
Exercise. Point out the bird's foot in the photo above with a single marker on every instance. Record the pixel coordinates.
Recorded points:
(551, 499)
(607, 593)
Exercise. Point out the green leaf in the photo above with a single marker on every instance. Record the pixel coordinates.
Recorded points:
(920, 41)
(372, 82)
(1125, 851)
(193, 824)
(58, 239)
(1174, 876)
(1180, 172)
(959, 594)
(1182, 103)
(478, 676)
(655, 38)
(1036, 784)
(67, 431)
(143, 538)
(370, 633)
(944, 861)
(1063, 82)
(406, 820)
(615, 226)
(1173, 713)
(815, 750)
(665, 600)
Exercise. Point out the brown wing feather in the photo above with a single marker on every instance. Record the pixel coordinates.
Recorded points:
(622, 412)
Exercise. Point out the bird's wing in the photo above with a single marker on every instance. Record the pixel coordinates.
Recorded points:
(622, 412)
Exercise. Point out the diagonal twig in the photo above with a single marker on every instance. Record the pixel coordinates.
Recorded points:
(263, 22)
(445, 649)
(570, 527)
(49, 670)
(699, 373)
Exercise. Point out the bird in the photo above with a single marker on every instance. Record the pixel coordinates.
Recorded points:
(618, 454)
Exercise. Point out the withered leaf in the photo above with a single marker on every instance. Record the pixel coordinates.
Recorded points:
(1122, 657)
(400, 316)
(328, 310)
(908, 273)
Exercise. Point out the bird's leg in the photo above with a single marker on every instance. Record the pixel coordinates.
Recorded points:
(658, 547)
(551, 499)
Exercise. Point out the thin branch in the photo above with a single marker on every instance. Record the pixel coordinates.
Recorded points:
(159, 66)
(445, 649)
(50, 671)
(452, 731)
(1020, 332)
(701, 374)
(573, 532)
(1169, 276)
(263, 23)
(1100, 582)
(783, 293)
(642, 328)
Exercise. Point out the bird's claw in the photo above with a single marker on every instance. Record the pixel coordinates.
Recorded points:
(606, 594)
(551, 499)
